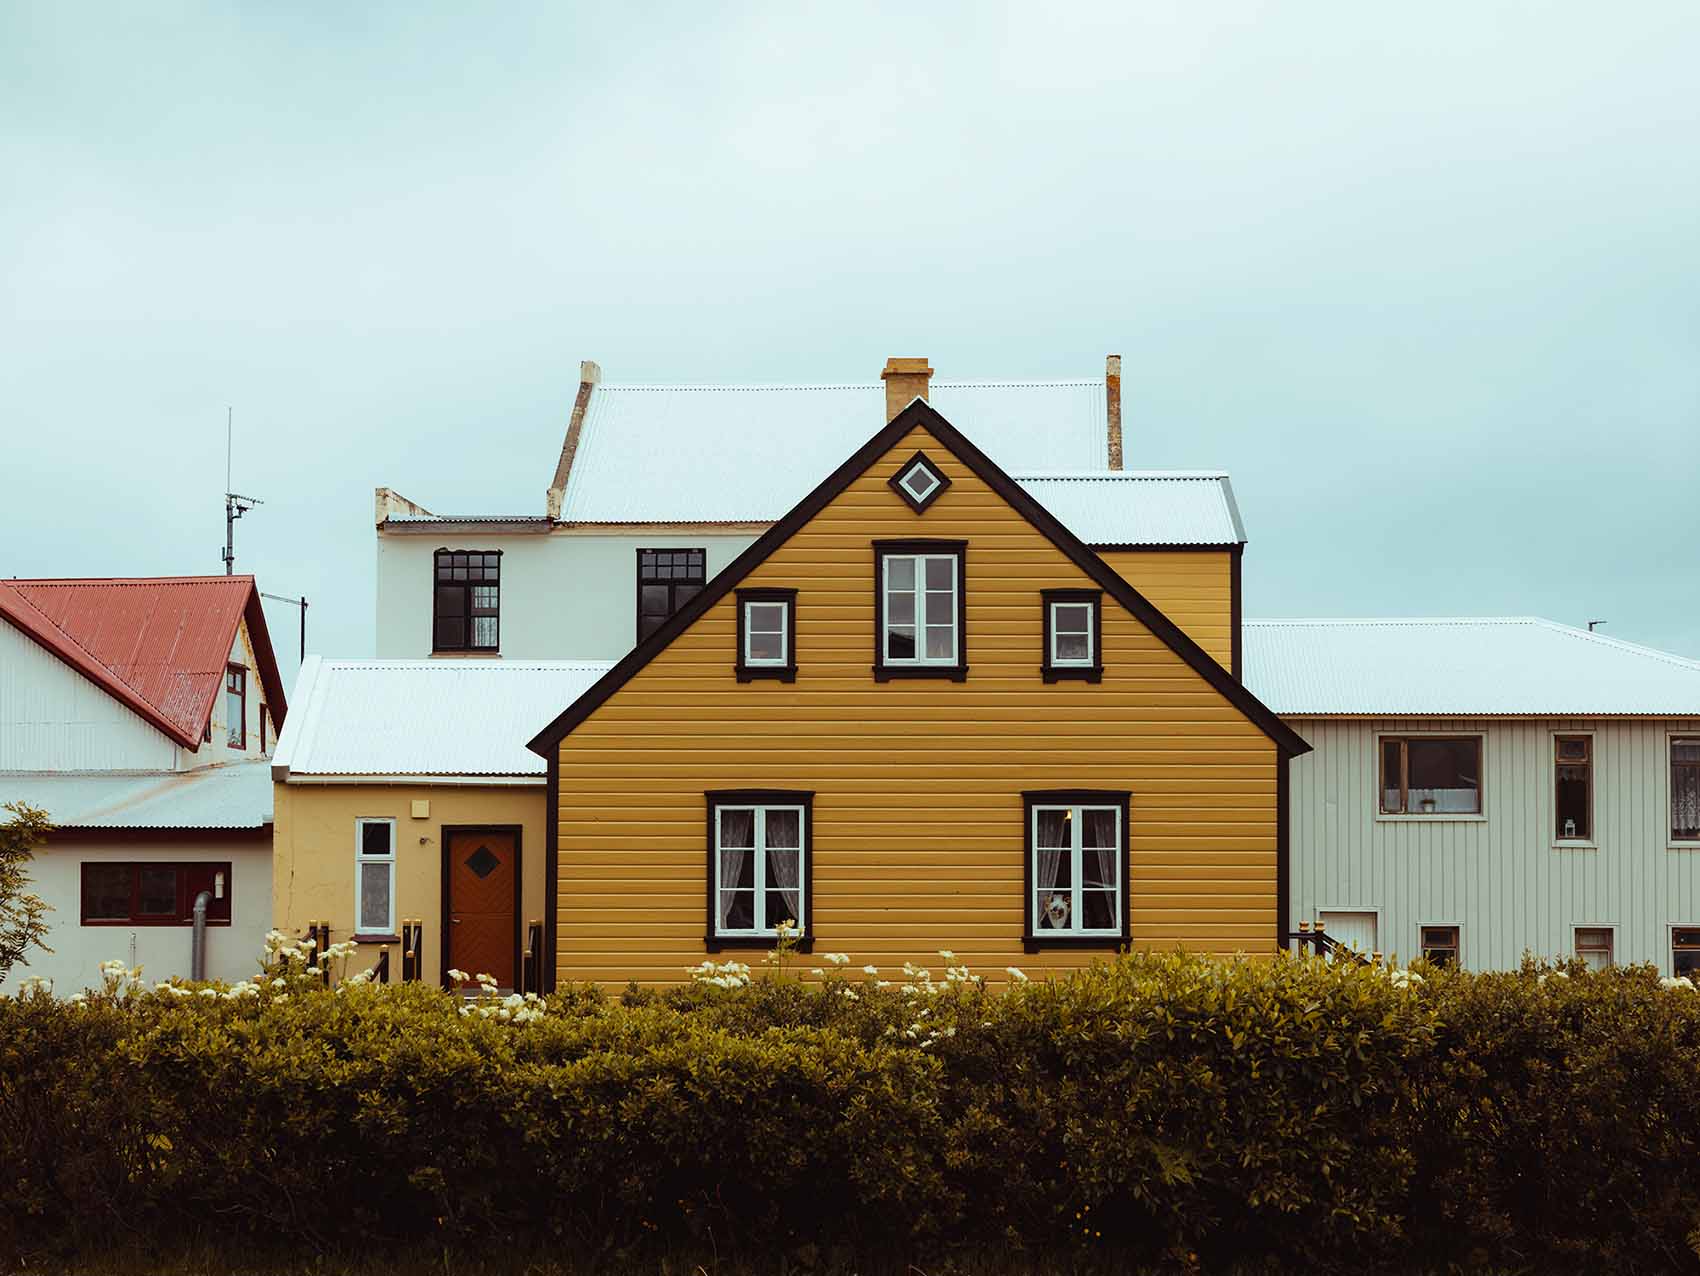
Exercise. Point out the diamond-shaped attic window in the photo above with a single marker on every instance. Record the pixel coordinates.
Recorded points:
(919, 482)
(482, 862)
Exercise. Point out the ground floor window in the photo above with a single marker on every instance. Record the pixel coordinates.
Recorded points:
(158, 893)
(759, 864)
(1594, 945)
(1076, 866)
(374, 876)
(1440, 945)
(1685, 950)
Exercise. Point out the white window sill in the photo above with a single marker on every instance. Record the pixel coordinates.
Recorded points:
(1575, 844)
(1438, 817)
(1683, 846)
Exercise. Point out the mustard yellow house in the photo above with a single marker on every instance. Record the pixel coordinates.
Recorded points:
(919, 712)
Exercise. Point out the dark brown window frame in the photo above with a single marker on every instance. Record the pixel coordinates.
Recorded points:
(1033, 941)
(1456, 947)
(786, 672)
(1690, 947)
(1404, 739)
(468, 615)
(1093, 672)
(183, 915)
(713, 800)
(236, 734)
(1586, 835)
(673, 603)
(262, 726)
(884, 549)
(919, 504)
(1610, 949)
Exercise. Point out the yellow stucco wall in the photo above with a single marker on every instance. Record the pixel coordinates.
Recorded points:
(1192, 587)
(919, 836)
(313, 853)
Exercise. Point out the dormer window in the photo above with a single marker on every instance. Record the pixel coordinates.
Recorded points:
(1073, 635)
(919, 482)
(767, 634)
(918, 610)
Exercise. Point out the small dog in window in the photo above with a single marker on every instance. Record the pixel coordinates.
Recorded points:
(1057, 909)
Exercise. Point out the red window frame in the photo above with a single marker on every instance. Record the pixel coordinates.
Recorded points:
(192, 877)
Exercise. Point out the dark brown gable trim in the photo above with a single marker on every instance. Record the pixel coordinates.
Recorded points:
(949, 437)
(551, 867)
(1283, 844)
(1234, 609)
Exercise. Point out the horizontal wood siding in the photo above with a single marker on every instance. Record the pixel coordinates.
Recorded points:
(918, 823)
(1192, 587)
(1503, 879)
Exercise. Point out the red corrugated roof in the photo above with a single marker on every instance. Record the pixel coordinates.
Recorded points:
(157, 644)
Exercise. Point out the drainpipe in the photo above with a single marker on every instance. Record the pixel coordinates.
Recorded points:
(198, 943)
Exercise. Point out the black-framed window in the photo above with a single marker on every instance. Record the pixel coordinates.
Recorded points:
(919, 482)
(1431, 775)
(236, 706)
(920, 628)
(760, 866)
(1074, 634)
(667, 580)
(1441, 945)
(466, 608)
(767, 634)
(143, 893)
(1076, 879)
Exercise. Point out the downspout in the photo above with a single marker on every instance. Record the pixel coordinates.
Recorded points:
(198, 942)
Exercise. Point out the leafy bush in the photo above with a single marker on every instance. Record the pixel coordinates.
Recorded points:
(1164, 1109)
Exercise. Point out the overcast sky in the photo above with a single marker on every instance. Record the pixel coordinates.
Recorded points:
(1424, 278)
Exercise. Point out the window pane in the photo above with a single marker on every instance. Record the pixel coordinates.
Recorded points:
(737, 869)
(766, 618)
(1053, 828)
(1685, 936)
(737, 827)
(375, 896)
(900, 609)
(1098, 910)
(484, 597)
(106, 891)
(900, 642)
(1072, 648)
(449, 634)
(1685, 790)
(941, 642)
(941, 573)
(1055, 909)
(767, 648)
(737, 910)
(655, 600)
(158, 895)
(784, 828)
(683, 594)
(484, 631)
(941, 609)
(900, 573)
(374, 838)
(1571, 784)
(1390, 775)
(1071, 618)
(1445, 776)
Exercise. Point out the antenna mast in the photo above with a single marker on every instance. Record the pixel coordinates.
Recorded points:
(235, 505)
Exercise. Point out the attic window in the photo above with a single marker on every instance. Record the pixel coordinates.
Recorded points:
(767, 635)
(919, 482)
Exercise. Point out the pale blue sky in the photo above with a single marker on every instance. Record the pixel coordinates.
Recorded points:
(1425, 279)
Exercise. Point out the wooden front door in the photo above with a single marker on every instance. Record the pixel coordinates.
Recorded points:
(482, 878)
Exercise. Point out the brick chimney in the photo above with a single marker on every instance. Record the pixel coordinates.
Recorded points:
(905, 380)
(1113, 407)
(588, 376)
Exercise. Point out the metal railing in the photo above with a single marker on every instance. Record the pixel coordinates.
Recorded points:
(1315, 940)
(412, 949)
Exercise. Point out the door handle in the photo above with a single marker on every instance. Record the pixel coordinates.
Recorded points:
(454, 921)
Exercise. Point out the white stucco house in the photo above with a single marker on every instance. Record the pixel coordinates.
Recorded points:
(1484, 788)
(140, 715)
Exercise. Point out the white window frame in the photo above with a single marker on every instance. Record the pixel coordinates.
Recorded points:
(920, 660)
(758, 914)
(920, 465)
(784, 660)
(360, 860)
(1669, 790)
(1077, 826)
(1057, 662)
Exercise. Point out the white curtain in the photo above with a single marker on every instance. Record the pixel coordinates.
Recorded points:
(783, 866)
(1047, 861)
(1100, 840)
(1685, 800)
(737, 835)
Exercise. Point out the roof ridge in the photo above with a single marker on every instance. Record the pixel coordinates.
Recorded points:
(871, 386)
(1606, 640)
(1396, 620)
(1114, 475)
(129, 580)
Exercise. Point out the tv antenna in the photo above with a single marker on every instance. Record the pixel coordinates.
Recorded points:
(235, 504)
(1592, 623)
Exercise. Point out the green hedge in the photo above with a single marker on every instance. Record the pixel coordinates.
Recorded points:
(1155, 1109)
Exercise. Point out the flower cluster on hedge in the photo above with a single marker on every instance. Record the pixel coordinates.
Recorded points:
(1163, 1108)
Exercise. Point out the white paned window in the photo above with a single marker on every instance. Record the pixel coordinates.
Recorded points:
(1685, 788)
(921, 594)
(374, 876)
(1076, 863)
(766, 633)
(759, 878)
(1071, 635)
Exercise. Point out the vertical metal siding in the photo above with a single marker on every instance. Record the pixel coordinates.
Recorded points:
(1502, 879)
(54, 719)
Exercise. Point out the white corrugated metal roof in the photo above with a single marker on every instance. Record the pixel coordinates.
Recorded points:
(235, 795)
(733, 454)
(1141, 507)
(1499, 665)
(424, 717)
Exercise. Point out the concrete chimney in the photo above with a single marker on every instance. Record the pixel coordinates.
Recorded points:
(1113, 407)
(905, 381)
(588, 375)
